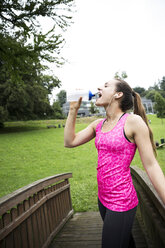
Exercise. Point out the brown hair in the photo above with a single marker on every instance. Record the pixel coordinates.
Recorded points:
(131, 99)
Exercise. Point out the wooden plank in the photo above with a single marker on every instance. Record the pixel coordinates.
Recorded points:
(52, 210)
(9, 238)
(61, 205)
(2, 243)
(17, 231)
(49, 211)
(70, 201)
(39, 224)
(64, 202)
(43, 225)
(23, 227)
(57, 209)
(36, 225)
(47, 227)
(29, 225)
(85, 230)
(1, 223)
(59, 227)
(66, 209)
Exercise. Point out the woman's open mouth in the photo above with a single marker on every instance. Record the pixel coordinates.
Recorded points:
(98, 95)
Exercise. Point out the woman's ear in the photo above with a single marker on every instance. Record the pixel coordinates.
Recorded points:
(118, 95)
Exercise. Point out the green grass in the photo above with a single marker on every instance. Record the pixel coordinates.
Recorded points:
(29, 151)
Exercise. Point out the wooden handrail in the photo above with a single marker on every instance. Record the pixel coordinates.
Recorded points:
(34, 214)
(151, 210)
(19, 195)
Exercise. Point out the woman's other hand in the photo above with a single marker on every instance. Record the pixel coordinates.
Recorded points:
(76, 105)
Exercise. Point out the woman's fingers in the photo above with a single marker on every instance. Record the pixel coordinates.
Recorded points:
(76, 105)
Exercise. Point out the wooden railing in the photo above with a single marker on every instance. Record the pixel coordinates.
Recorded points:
(33, 215)
(151, 211)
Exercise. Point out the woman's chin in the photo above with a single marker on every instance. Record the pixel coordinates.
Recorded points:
(98, 103)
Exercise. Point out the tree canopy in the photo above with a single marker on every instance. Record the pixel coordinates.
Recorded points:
(139, 90)
(120, 75)
(25, 51)
(62, 97)
(159, 105)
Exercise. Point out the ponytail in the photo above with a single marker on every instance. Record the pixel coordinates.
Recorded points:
(132, 99)
(140, 110)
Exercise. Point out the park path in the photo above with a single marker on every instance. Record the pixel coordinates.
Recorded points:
(84, 231)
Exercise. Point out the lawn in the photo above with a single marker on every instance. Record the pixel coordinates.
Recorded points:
(30, 151)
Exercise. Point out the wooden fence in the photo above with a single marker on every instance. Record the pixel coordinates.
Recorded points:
(150, 211)
(32, 216)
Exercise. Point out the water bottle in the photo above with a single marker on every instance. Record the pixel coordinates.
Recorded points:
(73, 96)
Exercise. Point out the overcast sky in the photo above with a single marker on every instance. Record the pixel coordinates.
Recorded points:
(114, 35)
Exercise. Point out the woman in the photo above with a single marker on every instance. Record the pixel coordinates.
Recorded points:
(117, 138)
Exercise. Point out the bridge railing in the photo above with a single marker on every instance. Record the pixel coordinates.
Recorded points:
(34, 214)
(151, 211)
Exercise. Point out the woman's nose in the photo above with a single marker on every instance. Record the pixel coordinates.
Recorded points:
(100, 88)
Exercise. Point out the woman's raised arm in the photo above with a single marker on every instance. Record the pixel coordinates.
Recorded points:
(72, 139)
(142, 140)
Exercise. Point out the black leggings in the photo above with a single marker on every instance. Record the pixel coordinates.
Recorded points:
(117, 228)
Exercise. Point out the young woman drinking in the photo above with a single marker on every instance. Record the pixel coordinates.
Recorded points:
(116, 139)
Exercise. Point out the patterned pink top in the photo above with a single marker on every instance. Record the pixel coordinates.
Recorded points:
(115, 153)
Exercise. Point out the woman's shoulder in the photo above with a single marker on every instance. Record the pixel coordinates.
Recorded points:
(134, 118)
(96, 122)
(135, 121)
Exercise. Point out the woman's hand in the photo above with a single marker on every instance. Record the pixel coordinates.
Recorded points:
(76, 105)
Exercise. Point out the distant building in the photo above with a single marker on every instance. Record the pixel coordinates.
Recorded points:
(148, 104)
(85, 108)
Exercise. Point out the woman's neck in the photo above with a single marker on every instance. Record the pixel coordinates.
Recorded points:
(113, 113)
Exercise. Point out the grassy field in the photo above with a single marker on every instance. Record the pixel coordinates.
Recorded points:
(30, 151)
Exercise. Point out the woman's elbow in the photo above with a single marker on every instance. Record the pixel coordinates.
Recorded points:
(67, 145)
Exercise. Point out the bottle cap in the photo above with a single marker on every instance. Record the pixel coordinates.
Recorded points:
(90, 95)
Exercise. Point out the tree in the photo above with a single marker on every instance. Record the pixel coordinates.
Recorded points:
(19, 23)
(120, 75)
(62, 97)
(159, 105)
(155, 87)
(24, 49)
(159, 87)
(28, 98)
(57, 111)
(140, 90)
(162, 84)
(162, 87)
(151, 95)
(93, 108)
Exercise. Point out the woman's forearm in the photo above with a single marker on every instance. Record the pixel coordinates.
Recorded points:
(69, 131)
(158, 180)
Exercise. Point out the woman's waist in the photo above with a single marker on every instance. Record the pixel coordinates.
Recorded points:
(116, 188)
(114, 178)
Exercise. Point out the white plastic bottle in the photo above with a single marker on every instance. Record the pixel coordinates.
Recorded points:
(73, 96)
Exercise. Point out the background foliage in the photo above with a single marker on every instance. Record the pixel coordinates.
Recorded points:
(26, 51)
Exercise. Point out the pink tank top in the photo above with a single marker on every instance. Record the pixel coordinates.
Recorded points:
(115, 153)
